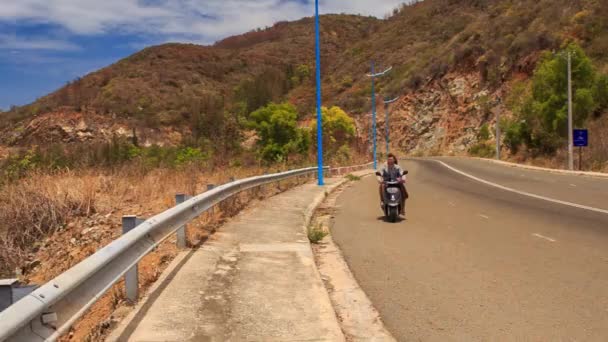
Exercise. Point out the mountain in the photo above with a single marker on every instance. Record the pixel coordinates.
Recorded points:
(452, 63)
(191, 86)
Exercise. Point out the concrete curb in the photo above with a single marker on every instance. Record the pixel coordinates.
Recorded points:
(537, 168)
(309, 212)
(308, 215)
(359, 319)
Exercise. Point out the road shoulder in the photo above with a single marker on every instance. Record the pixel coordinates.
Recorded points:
(537, 168)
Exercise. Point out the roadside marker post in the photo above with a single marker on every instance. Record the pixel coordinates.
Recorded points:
(580, 140)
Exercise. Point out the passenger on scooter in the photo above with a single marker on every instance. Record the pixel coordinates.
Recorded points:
(392, 171)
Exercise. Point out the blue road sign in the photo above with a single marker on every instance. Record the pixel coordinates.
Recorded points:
(581, 137)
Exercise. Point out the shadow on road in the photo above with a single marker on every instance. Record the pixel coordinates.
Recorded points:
(385, 219)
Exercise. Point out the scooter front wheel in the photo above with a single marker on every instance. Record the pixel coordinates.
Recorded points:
(393, 213)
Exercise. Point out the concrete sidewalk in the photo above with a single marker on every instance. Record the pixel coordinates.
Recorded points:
(255, 280)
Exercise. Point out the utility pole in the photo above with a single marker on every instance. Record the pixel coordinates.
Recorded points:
(498, 131)
(570, 133)
(319, 113)
(374, 75)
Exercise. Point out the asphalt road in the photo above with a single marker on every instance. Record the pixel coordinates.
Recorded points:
(475, 263)
(583, 190)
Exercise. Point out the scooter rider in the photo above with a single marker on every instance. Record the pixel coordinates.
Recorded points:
(392, 171)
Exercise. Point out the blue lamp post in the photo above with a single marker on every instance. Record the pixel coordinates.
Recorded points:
(319, 113)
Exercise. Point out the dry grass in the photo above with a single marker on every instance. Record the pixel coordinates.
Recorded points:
(39, 206)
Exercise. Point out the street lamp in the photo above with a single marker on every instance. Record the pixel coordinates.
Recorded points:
(373, 76)
(386, 103)
(319, 113)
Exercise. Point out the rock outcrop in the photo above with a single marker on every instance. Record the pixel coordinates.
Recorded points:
(442, 117)
(72, 128)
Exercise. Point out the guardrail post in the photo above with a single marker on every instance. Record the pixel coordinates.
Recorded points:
(131, 277)
(181, 231)
(211, 187)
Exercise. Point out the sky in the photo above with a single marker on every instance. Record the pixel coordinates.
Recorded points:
(46, 43)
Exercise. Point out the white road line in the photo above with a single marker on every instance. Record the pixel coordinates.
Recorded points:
(484, 216)
(579, 206)
(573, 185)
(544, 237)
(451, 204)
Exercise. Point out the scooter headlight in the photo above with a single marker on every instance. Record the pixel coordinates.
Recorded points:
(392, 190)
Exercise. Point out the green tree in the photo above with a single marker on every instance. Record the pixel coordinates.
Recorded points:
(601, 91)
(549, 90)
(542, 109)
(278, 132)
(338, 130)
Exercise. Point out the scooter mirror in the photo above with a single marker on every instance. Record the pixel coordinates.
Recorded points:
(406, 172)
(378, 173)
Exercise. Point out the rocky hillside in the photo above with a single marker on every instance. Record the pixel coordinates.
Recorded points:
(454, 63)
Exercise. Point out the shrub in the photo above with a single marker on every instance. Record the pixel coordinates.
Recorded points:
(17, 166)
(338, 131)
(516, 133)
(352, 177)
(316, 234)
(484, 133)
(482, 150)
(347, 82)
(278, 133)
(189, 155)
(344, 154)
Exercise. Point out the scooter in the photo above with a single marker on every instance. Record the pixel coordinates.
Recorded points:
(392, 198)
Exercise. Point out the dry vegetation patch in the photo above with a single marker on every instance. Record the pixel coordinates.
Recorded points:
(49, 223)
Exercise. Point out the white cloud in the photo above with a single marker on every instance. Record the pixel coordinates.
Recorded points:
(193, 20)
(11, 42)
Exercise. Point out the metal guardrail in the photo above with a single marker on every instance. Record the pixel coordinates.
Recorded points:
(49, 311)
(338, 171)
